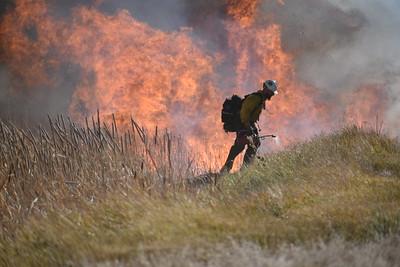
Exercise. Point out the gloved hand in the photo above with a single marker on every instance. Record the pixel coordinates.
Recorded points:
(250, 140)
(253, 130)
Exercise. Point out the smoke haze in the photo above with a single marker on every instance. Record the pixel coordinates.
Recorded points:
(370, 56)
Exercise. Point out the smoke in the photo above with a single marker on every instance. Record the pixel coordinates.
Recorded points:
(371, 56)
(361, 48)
(167, 15)
(4, 82)
(5, 5)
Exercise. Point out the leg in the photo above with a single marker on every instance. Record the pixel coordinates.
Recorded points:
(236, 149)
(251, 151)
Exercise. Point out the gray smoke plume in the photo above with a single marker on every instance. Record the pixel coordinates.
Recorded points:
(166, 15)
(366, 52)
(370, 56)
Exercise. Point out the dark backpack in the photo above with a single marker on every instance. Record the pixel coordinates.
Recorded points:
(230, 114)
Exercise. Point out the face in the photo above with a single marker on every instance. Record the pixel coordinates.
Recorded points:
(268, 94)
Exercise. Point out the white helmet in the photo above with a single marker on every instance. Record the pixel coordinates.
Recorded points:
(271, 85)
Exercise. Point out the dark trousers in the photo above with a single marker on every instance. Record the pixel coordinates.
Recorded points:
(242, 140)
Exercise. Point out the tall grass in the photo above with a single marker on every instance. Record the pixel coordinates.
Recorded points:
(60, 164)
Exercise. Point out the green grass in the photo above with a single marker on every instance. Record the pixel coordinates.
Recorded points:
(345, 184)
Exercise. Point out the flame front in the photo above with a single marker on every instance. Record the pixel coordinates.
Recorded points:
(164, 79)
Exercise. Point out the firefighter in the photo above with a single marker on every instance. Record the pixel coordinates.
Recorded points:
(250, 111)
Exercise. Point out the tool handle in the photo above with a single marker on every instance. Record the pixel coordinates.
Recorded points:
(267, 136)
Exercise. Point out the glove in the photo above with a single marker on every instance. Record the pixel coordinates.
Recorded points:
(250, 140)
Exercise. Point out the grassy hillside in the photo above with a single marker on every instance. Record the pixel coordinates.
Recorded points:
(344, 185)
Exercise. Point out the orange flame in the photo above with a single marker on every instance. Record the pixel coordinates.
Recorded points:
(243, 11)
(25, 53)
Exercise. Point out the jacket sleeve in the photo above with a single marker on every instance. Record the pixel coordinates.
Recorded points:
(249, 105)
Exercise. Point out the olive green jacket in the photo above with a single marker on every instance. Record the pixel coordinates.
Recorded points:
(251, 109)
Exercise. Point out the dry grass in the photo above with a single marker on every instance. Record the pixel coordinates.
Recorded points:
(344, 185)
(62, 164)
(335, 253)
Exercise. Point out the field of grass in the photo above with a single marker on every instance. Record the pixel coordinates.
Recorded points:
(340, 190)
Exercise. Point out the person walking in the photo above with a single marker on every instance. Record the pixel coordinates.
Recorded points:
(245, 123)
